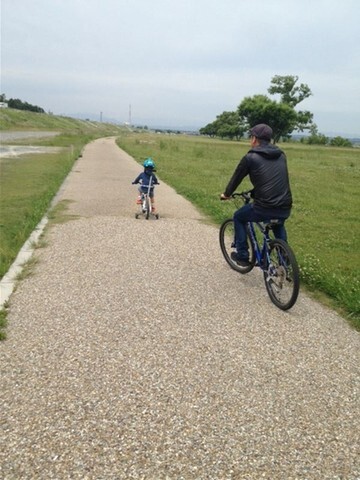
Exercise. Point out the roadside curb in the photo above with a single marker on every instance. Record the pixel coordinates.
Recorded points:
(8, 281)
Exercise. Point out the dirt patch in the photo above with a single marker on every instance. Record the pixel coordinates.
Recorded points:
(9, 151)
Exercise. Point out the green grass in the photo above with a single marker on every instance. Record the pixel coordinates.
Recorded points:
(323, 229)
(3, 322)
(28, 183)
(11, 119)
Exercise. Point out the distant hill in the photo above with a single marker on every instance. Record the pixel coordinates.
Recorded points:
(11, 119)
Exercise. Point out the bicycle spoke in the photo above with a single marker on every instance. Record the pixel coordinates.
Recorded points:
(282, 275)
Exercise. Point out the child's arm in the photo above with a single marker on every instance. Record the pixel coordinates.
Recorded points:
(137, 179)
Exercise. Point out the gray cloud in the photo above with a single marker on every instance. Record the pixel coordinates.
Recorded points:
(183, 62)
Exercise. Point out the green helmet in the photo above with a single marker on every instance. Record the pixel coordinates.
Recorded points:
(149, 163)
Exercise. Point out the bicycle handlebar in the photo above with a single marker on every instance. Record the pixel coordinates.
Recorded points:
(146, 186)
(246, 196)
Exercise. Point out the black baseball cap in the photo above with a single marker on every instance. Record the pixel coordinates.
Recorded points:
(262, 131)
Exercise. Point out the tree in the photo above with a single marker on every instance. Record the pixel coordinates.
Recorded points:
(340, 142)
(290, 94)
(315, 138)
(281, 116)
(209, 129)
(261, 109)
(226, 125)
(18, 104)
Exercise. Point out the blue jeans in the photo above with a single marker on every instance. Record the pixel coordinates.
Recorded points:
(247, 213)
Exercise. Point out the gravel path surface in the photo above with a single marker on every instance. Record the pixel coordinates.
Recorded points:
(135, 352)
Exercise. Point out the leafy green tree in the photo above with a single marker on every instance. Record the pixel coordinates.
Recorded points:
(261, 109)
(20, 105)
(209, 129)
(340, 142)
(226, 125)
(291, 94)
(253, 110)
(318, 139)
(229, 126)
(281, 116)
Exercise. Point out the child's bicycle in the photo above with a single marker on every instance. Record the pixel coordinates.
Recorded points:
(146, 208)
(274, 257)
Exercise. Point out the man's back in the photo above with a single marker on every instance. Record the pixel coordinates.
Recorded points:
(267, 169)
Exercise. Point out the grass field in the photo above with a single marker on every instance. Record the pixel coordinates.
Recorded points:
(323, 229)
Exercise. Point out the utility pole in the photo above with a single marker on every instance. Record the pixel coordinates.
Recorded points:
(100, 117)
(130, 115)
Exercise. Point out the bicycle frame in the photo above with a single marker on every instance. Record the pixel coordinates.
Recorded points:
(145, 204)
(149, 187)
(262, 253)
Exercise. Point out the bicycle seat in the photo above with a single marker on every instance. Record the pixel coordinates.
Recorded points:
(274, 221)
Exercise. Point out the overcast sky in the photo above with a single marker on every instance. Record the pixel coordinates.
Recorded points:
(180, 63)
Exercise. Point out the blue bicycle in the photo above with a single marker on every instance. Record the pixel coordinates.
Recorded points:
(272, 255)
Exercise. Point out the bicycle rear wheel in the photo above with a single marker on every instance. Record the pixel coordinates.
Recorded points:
(282, 278)
(227, 245)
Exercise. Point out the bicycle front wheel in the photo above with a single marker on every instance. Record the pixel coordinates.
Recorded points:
(227, 245)
(282, 278)
(147, 207)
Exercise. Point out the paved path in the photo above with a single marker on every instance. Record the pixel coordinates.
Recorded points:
(134, 352)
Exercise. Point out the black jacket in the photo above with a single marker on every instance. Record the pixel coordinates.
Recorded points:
(267, 168)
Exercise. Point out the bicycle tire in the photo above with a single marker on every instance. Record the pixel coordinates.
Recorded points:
(282, 277)
(226, 238)
(147, 208)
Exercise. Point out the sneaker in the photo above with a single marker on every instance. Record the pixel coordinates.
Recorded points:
(242, 262)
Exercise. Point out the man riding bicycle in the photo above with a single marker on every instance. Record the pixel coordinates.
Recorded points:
(266, 166)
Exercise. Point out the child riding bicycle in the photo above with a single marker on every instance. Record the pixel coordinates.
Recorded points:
(146, 178)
